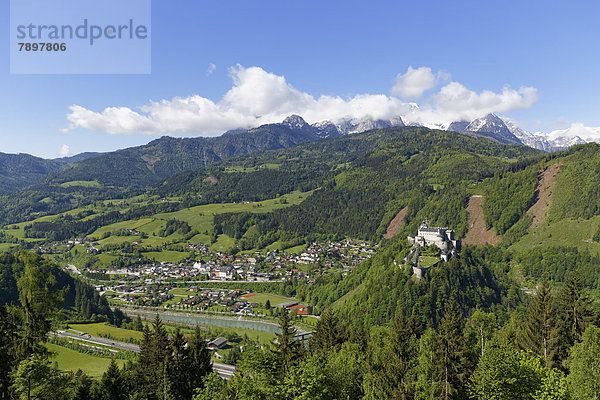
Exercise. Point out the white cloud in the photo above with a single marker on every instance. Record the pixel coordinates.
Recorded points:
(587, 133)
(211, 68)
(258, 97)
(454, 102)
(65, 151)
(413, 83)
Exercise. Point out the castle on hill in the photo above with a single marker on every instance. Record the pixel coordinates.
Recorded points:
(442, 237)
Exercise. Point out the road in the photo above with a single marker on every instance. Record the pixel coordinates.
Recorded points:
(224, 370)
(99, 340)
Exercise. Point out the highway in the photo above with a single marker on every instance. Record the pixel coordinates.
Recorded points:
(224, 370)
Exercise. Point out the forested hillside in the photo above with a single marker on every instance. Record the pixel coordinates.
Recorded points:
(524, 308)
(430, 172)
(18, 171)
(149, 164)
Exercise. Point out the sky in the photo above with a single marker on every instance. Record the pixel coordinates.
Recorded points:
(228, 64)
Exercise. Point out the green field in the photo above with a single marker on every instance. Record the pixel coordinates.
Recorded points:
(99, 329)
(167, 256)
(200, 218)
(262, 298)
(567, 232)
(223, 243)
(239, 168)
(427, 261)
(71, 360)
(94, 184)
(134, 224)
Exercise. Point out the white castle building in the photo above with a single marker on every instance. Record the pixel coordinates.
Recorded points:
(441, 237)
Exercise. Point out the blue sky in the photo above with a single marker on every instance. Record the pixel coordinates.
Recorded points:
(533, 61)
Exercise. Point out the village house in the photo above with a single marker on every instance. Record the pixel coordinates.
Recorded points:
(218, 343)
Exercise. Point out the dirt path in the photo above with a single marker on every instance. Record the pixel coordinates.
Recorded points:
(396, 224)
(545, 190)
(478, 233)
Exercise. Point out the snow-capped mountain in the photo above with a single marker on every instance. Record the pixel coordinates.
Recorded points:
(557, 140)
(295, 122)
(458, 126)
(490, 126)
(501, 129)
(326, 129)
(536, 140)
(506, 130)
(348, 126)
(320, 130)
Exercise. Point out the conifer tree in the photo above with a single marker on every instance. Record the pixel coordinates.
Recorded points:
(287, 349)
(38, 302)
(113, 383)
(199, 363)
(82, 387)
(451, 351)
(429, 384)
(179, 367)
(539, 323)
(8, 344)
(151, 372)
(139, 325)
(327, 335)
(403, 357)
(574, 315)
(584, 378)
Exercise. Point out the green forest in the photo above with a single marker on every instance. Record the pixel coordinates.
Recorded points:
(463, 332)
(513, 320)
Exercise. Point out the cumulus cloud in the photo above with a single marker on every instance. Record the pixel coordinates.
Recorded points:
(587, 133)
(211, 68)
(65, 151)
(454, 102)
(415, 82)
(259, 97)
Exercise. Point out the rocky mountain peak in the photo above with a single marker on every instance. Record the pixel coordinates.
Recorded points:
(295, 122)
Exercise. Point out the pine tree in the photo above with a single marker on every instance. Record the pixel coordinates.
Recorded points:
(113, 383)
(8, 349)
(584, 379)
(327, 335)
(540, 323)
(179, 366)
(574, 315)
(38, 303)
(429, 383)
(199, 362)
(451, 351)
(151, 370)
(287, 349)
(82, 387)
(139, 325)
(403, 356)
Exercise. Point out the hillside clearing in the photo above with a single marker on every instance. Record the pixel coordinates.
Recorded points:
(396, 224)
(71, 360)
(545, 191)
(567, 232)
(102, 329)
(477, 230)
(262, 298)
(336, 305)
